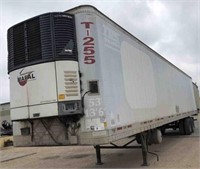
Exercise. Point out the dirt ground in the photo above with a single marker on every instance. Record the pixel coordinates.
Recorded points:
(176, 151)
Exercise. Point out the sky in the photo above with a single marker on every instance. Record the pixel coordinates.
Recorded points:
(170, 27)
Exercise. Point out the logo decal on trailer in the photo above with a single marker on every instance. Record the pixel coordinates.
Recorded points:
(24, 77)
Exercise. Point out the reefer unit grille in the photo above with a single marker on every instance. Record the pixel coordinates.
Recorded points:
(18, 45)
(71, 83)
(64, 45)
(33, 40)
(44, 38)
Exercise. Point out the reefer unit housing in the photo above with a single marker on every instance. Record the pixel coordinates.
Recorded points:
(77, 77)
(42, 55)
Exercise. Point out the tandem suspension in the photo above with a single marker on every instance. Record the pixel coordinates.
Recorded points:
(144, 146)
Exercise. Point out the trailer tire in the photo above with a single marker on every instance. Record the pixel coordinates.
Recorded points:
(155, 136)
(187, 126)
(192, 124)
(138, 139)
(163, 130)
(181, 127)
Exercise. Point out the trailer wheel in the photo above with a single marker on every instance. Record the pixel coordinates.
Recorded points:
(138, 139)
(163, 131)
(192, 124)
(181, 127)
(155, 136)
(188, 126)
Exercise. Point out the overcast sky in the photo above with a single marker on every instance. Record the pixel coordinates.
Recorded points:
(171, 27)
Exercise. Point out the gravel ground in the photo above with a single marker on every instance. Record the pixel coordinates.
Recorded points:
(175, 151)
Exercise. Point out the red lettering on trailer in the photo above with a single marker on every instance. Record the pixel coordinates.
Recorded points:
(87, 24)
(88, 33)
(88, 43)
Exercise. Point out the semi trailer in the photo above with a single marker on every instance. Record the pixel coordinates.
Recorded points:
(78, 78)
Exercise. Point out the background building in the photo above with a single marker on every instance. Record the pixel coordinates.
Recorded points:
(5, 112)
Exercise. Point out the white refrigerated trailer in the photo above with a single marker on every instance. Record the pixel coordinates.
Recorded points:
(77, 77)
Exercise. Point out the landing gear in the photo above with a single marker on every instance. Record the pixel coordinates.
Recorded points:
(98, 154)
(144, 143)
(143, 138)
